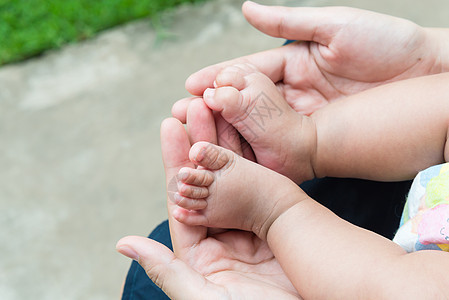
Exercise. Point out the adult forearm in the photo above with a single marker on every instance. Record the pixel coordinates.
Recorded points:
(387, 133)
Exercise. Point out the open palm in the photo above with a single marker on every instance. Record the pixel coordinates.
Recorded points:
(230, 264)
(240, 265)
(341, 51)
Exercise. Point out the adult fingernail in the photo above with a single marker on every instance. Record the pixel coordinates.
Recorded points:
(128, 251)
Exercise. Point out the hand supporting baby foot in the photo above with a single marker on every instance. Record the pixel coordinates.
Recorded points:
(232, 192)
(282, 139)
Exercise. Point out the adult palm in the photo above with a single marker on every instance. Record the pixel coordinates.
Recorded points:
(341, 51)
(206, 264)
(231, 265)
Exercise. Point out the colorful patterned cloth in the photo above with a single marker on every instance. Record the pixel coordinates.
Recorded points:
(425, 219)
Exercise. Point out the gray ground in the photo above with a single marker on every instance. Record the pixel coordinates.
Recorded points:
(80, 159)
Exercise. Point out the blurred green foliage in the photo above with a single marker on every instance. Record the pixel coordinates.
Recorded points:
(29, 27)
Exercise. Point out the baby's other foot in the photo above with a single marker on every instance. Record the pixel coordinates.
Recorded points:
(231, 192)
(282, 139)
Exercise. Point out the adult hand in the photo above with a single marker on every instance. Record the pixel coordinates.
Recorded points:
(205, 265)
(342, 51)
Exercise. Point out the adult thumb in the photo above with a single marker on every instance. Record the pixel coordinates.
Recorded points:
(317, 24)
(172, 275)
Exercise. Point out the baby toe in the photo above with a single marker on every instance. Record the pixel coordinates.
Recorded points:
(227, 100)
(231, 76)
(195, 177)
(192, 191)
(210, 156)
(189, 217)
(189, 203)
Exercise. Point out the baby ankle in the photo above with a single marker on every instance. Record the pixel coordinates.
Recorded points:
(289, 197)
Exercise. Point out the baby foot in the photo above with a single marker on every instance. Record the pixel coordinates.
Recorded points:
(282, 139)
(231, 192)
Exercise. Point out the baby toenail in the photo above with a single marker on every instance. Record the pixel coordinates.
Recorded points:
(209, 93)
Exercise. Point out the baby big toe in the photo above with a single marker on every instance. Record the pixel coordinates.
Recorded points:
(231, 76)
(209, 156)
(228, 101)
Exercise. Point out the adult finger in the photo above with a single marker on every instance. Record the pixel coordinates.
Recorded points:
(318, 24)
(175, 155)
(270, 62)
(179, 109)
(227, 136)
(171, 274)
(200, 122)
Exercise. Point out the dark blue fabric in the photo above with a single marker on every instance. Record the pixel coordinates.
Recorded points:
(376, 206)
(288, 42)
(138, 285)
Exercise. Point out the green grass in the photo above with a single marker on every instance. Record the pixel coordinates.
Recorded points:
(29, 27)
